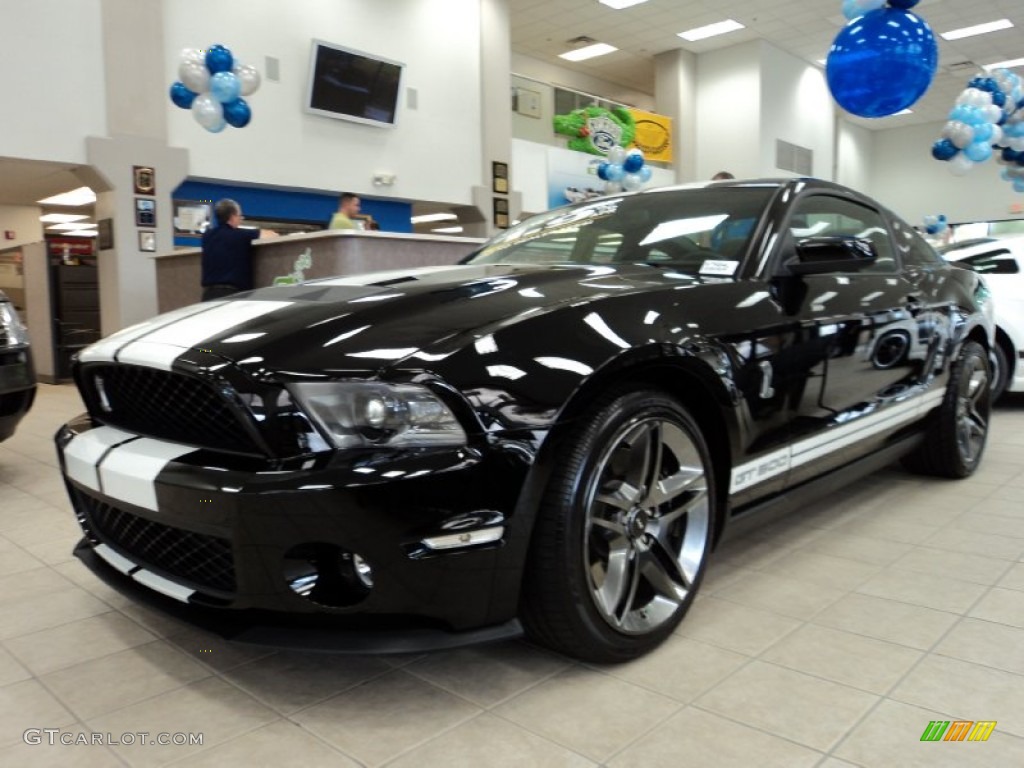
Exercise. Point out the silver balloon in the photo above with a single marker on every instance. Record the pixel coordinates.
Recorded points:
(961, 134)
(631, 182)
(997, 135)
(992, 113)
(248, 76)
(193, 55)
(617, 155)
(208, 112)
(612, 187)
(960, 165)
(195, 76)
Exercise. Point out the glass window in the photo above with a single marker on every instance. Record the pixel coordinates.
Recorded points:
(914, 251)
(997, 262)
(827, 216)
(680, 229)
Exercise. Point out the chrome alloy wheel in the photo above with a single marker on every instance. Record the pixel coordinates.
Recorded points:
(971, 410)
(646, 527)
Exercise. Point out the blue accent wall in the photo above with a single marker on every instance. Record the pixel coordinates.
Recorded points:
(291, 205)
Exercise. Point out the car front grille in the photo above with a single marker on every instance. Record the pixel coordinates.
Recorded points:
(206, 561)
(166, 405)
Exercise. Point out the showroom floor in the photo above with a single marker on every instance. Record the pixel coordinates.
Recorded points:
(830, 639)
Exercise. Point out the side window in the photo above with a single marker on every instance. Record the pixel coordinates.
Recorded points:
(998, 262)
(913, 250)
(823, 215)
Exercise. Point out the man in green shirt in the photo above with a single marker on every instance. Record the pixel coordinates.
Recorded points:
(348, 206)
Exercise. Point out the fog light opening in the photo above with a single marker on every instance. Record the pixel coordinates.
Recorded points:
(327, 575)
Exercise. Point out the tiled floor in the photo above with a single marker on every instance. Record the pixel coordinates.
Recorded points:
(829, 639)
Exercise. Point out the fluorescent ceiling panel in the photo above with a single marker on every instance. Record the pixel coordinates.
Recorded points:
(63, 218)
(589, 52)
(977, 29)
(711, 30)
(80, 196)
(618, 5)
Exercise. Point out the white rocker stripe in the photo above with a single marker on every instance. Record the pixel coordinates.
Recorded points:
(162, 347)
(85, 451)
(128, 472)
(163, 586)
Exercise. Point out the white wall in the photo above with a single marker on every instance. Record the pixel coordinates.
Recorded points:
(855, 146)
(729, 111)
(51, 78)
(24, 221)
(435, 150)
(796, 106)
(905, 177)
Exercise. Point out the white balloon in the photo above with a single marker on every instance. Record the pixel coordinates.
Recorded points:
(195, 76)
(960, 165)
(611, 187)
(617, 155)
(208, 112)
(978, 97)
(248, 76)
(961, 134)
(631, 182)
(997, 135)
(193, 55)
(992, 113)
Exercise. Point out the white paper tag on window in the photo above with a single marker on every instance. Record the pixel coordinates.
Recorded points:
(719, 267)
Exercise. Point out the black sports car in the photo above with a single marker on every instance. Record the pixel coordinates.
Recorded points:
(17, 379)
(551, 435)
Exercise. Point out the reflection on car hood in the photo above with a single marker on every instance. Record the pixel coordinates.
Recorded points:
(370, 321)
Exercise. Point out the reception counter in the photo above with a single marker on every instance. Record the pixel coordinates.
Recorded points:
(332, 252)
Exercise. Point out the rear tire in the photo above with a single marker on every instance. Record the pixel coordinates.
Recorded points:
(623, 530)
(956, 437)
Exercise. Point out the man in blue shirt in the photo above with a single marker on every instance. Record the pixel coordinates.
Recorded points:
(227, 252)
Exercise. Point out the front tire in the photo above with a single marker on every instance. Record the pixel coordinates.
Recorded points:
(956, 437)
(623, 530)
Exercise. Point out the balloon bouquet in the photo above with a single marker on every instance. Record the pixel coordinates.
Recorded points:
(212, 85)
(883, 60)
(935, 225)
(623, 170)
(987, 120)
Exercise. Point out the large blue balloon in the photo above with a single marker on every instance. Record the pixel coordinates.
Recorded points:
(219, 59)
(882, 62)
(182, 96)
(237, 113)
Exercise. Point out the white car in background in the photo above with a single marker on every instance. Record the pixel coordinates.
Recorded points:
(1001, 261)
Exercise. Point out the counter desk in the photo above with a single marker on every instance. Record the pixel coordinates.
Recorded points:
(333, 252)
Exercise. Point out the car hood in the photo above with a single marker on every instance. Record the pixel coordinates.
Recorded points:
(371, 321)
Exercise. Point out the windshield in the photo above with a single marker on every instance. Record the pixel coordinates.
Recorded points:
(681, 229)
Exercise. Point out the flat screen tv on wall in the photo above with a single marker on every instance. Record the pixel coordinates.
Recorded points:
(351, 85)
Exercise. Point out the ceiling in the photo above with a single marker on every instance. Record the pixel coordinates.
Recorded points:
(804, 28)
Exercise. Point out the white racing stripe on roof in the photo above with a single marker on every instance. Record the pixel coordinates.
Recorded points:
(160, 348)
(128, 471)
(105, 349)
(82, 455)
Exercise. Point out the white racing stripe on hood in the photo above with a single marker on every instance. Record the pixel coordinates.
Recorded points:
(371, 278)
(160, 348)
(129, 471)
(105, 349)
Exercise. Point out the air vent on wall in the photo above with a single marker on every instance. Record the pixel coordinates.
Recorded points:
(580, 41)
(959, 67)
(790, 157)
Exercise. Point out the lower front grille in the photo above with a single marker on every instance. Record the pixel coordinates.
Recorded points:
(206, 561)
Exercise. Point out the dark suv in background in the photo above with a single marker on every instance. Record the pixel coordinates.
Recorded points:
(17, 379)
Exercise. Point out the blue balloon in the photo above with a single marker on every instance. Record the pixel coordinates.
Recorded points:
(983, 132)
(634, 162)
(944, 149)
(644, 174)
(961, 113)
(1011, 156)
(906, 5)
(219, 59)
(615, 172)
(182, 96)
(237, 113)
(225, 87)
(882, 62)
(602, 171)
(1018, 185)
(979, 151)
(998, 98)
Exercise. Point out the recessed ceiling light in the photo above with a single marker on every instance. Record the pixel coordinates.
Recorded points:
(1008, 64)
(589, 52)
(428, 217)
(80, 196)
(447, 230)
(977, 29)
(80, 233)
(618, 5)
(711, 30)
(63, 218)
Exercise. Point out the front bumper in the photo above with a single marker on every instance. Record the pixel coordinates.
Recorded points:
(17, 389)
(227, 537)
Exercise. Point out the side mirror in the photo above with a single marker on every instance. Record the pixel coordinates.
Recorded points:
(837, 253)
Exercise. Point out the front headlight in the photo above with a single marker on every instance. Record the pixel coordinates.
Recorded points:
(358, 414)
(12, 332)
